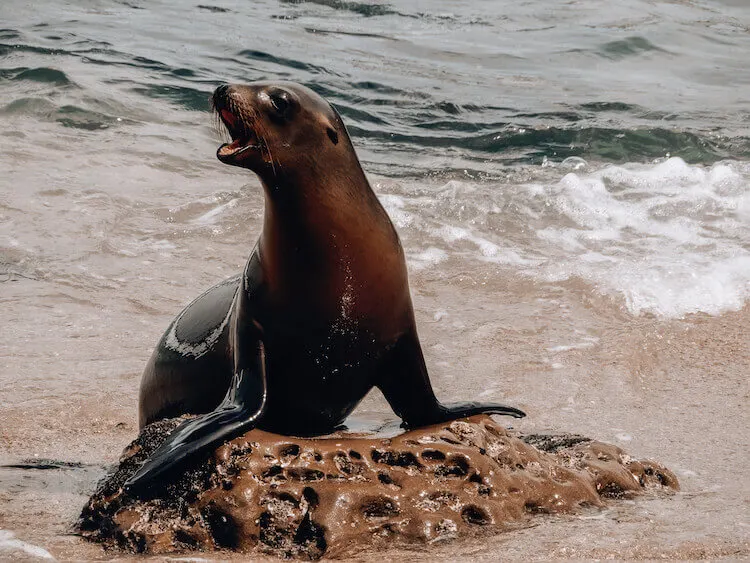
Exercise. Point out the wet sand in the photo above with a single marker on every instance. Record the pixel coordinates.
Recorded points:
(675, 391)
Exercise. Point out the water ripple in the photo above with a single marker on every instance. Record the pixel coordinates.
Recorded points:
(454, 83)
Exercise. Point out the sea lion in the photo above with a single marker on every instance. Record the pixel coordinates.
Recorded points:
(322, 312)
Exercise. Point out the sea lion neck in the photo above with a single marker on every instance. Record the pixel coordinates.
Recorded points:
(320, 172)
(322, 201)
(329, 242)
(323, 224)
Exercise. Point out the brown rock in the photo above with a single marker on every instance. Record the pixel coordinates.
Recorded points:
(305, 497)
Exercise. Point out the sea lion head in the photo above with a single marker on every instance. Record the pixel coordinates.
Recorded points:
(278, 128)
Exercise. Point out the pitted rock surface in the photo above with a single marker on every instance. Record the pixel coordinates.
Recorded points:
(335, 495)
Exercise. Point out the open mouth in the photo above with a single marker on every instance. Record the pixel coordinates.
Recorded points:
(243, 137)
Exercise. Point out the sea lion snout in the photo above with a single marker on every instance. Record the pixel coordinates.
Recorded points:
(239, 119)
(259, 101)
(273, 123)
(220, 94)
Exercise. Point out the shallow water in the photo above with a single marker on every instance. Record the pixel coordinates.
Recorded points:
(571, 185)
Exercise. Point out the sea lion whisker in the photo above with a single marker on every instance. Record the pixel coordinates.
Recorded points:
(250, 114)
(220, 129)
(250, 122)
(262, 135)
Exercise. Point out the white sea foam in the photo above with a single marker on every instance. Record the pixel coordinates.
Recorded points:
(427, 257)
(671, 239)
(667, 238)
(209, 217)
(9, 544)
(395, 205)
(488, 250)
(588, 342)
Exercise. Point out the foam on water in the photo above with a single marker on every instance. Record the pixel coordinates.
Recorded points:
(428, 257)
(671, 239)
(667, 238)
(488, 250)
(395, 207)
(209, 217)
(9, 545)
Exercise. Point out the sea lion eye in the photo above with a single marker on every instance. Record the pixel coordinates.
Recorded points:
(281, 102)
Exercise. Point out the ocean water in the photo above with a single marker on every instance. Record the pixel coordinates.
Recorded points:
(570, 180)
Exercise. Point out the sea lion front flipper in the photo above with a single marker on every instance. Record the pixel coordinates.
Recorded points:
(243, 403)
(237, 413)
(406, 386)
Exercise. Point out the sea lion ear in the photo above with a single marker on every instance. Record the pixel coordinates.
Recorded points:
(333, 135)
(333, 123)
(330, 123)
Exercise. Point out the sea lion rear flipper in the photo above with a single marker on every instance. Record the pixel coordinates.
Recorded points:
(406, 386)
(237, 413)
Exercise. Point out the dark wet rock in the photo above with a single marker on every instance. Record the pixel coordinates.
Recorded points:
(304, 498)
(553, 442)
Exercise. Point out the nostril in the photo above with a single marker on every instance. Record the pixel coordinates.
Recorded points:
(220, 96)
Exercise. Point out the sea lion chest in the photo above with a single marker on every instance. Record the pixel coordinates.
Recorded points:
(329, 317)
(333, 317)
